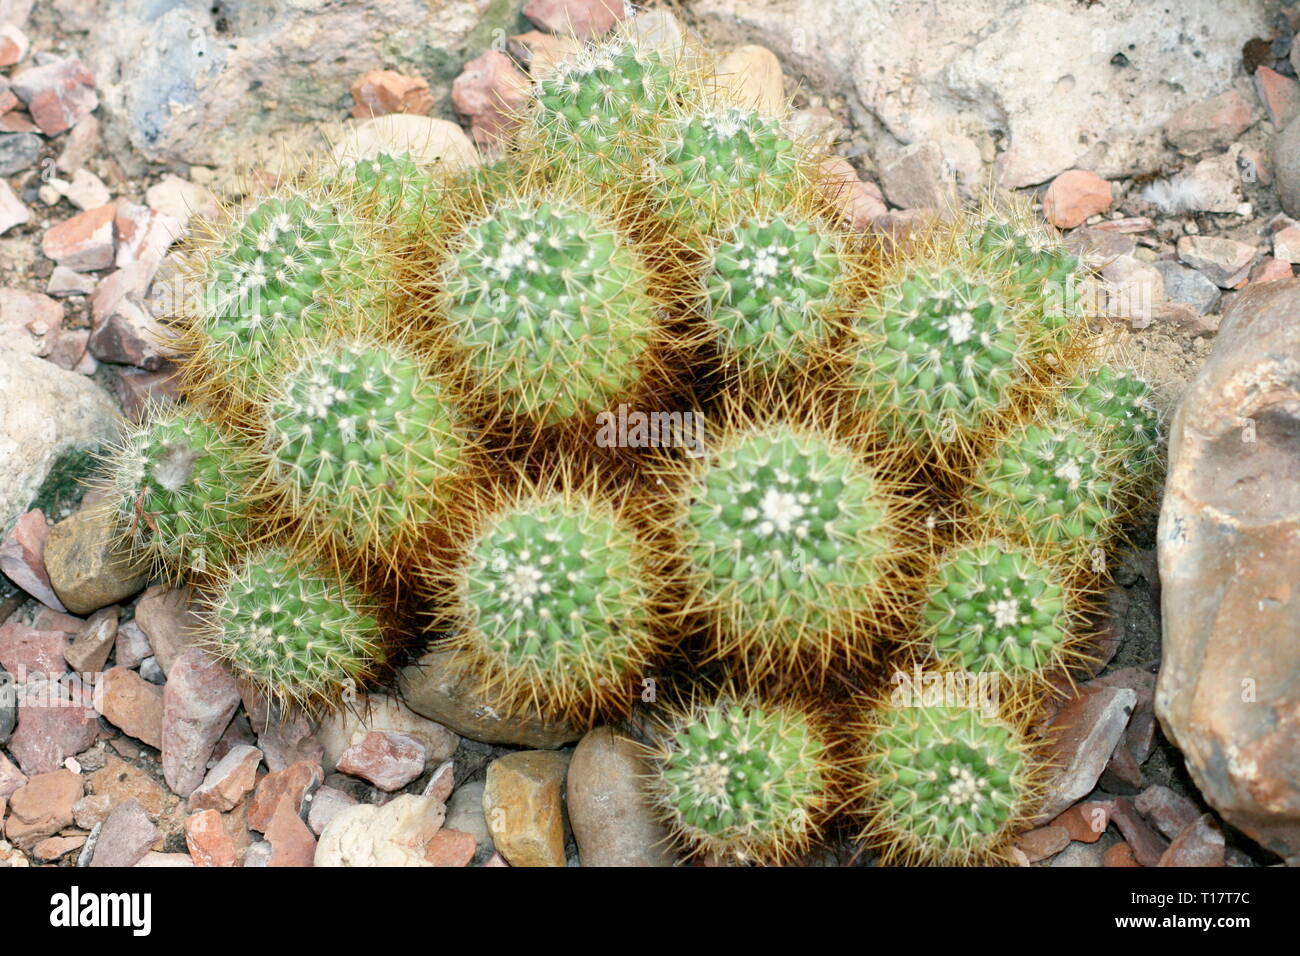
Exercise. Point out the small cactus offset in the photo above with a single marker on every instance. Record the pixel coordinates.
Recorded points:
(774, 287)
(548, 303)
(1049, 484)
(603, 108)
(787, 537)
(363, 441)
(994, 607)
(181, 490)
(1118, 407)
(937, 358)
(943, 785)
(741, 779)
(288, 270)
(300, 634)
(554, 602)
(721, 164)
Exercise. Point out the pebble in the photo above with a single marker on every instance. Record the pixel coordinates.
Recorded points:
(1210, 125)
(1080, 854)
(657, 29)
(388, 760)
(1279, 94)
(209, 842)
(441, 782)
(1120, 854)
(539, 52)
(181, 200)
(125, 838)
(585, 19)
(42, 807)
(1225, 262)
(30, 322)
(83, 243)
(92, 810)
(230, 781)
(13, 44)
(52, 848)
(1043, 842)
(1148, 845)
(750, 77)
(22, 554)
(18, 151)
(58, 94)
(86, 191)
(380, 92)
(126, 332)
(1200, 844)
(153, 859)
(89, 652)
(11, 778)
(437, 688)
(1086, 729)
(1286, 167)
(380, 712)
(26, 651)
(132, 645)
(860, 203)
(396, 834)
(326, 804)
(135, 389)
(143, 236)
(1085, 822)
(199, 699)
(292, 843)
(1134, 290)
(293, 786)
(1188, 286)
(524, 805)
(1270, 270)
(165, 616)
(121, 781)
(916, 177)
(87, 568)
(465, 813)
(492, 93)
(133, 705)
(56, 720)
(1170, 812)
(13, 212)
(1074, 197)
(614, 824)
(450, 847)
(428, 141)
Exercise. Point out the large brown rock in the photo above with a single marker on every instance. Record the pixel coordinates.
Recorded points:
(1229, 550)
(613, 820)
(87, 566)
(523, 801)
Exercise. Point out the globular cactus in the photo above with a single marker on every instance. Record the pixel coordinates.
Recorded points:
(745, 780)
(553, 597)
(998, 608)
(364, 441)
(1037, 269)
(288, 270)
(774, 287)
(721, 164)
(601, 110)
(1050, 485)
(548, 305)
(391, 189)
(786, 536)
(937, 357)
(943, 785)
(1119, 408)
(181, 489)
(301, 634)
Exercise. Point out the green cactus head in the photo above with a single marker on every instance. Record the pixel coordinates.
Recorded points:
(741, 779)
(786, 534)
(181, 490)
(944, 785)
(287, 271)
(1049, 484)
(301, 634)
(394, 190)
(603, 109)
(1119, 408)
(994, 607)
(548, 304)
(722, 164)
(363, 440)
(936, 358)
(555, 599)
(774, 285)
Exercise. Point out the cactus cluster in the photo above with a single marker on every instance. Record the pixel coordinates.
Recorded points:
(389, 436)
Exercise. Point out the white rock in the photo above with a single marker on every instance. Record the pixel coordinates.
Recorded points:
(12, 211)
(85, 191)
(395, 834)
(181, 199)
(429, 141)
(1040, 70)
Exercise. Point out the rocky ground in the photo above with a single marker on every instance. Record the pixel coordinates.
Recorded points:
(118, 135)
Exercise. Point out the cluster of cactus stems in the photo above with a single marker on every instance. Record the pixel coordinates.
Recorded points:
(387, 436)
